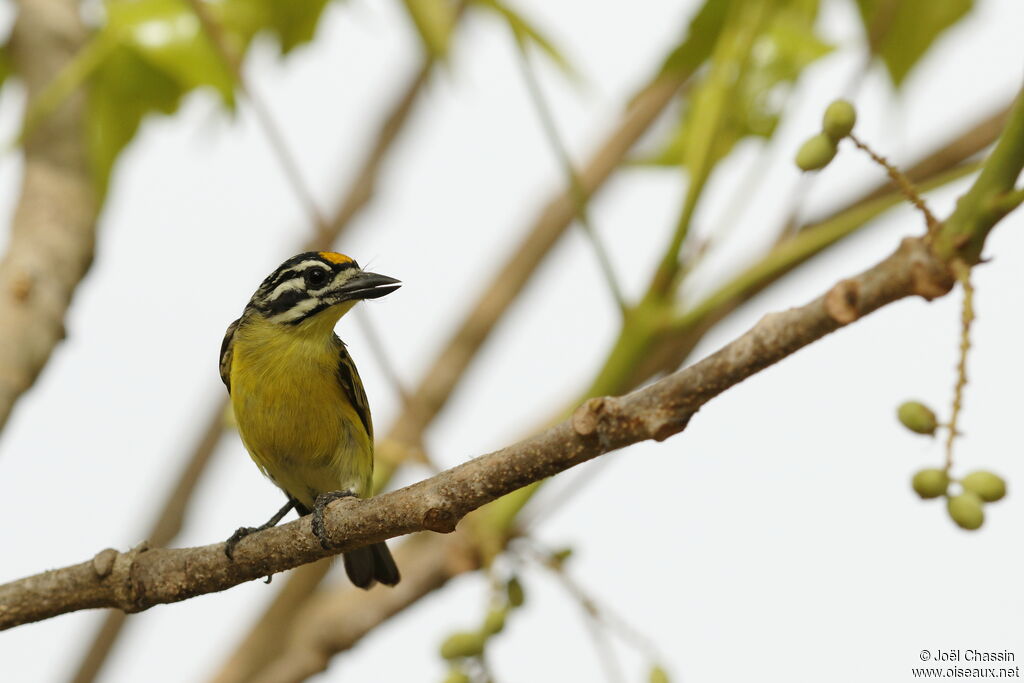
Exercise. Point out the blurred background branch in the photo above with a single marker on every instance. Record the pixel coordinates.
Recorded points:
(53, 230)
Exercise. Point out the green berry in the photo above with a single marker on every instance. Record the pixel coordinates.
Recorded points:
(917, 417)
(966, 510)
(930, 483)
(816, 153)
(839, 120)
(494, 622)
(657, 675)
(457, 676)
(989, 487)
(516, 597)
(463, 644)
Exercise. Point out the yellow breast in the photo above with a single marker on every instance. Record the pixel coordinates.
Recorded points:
(293, 415)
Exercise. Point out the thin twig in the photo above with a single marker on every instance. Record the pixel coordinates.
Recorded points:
(602, 644)
(579, 196)
(963, 275)
(601, 612)
(902, 182)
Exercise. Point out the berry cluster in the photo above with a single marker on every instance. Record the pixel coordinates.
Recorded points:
(966, 508)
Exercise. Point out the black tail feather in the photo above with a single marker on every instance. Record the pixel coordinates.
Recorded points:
(367, 565)
(385, 569)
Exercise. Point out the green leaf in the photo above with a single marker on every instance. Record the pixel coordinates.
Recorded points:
(701, 36)
(525, 32)
(745, 90)
(294, 22)
(901, 31)
(779, 56)
(150, 53)
(242, 20)
(291, 22)
(434, 21)
(169, 35)
(122, 90)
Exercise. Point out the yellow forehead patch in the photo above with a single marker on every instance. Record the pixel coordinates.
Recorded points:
(334, 257)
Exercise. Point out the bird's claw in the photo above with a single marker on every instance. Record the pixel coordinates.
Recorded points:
(240, 533)
(319, 505)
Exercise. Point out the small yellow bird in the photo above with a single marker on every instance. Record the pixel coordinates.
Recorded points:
(297, 397)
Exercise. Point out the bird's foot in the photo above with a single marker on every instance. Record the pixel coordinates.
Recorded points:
(321, 502)
(242, 532)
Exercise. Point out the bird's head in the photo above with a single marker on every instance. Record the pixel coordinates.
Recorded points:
(317, 286)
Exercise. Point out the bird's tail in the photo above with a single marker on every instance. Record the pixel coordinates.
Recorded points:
(367, 565)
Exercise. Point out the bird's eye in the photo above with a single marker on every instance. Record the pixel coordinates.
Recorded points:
(315, 278)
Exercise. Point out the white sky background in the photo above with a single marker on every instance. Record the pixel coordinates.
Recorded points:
(777, 538)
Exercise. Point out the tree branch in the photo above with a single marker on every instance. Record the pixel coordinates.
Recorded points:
(141, 578)
(54, 226)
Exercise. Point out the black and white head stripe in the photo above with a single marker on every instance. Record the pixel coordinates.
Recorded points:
(303, 285)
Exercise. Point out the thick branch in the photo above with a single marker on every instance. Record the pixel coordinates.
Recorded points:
(141, 578)
(54, 225)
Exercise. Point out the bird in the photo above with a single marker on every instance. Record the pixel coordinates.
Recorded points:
(299, 404)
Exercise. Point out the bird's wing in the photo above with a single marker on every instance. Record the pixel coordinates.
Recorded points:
(348, 377)
(226, 347)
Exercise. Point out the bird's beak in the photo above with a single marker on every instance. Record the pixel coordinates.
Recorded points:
(366, 286)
